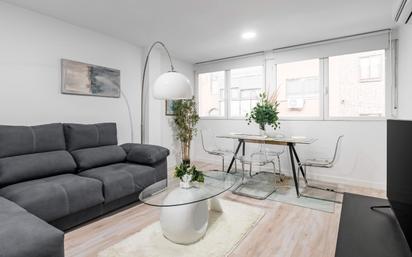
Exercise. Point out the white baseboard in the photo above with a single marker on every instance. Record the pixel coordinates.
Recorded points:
(320, 177)
(347, 181)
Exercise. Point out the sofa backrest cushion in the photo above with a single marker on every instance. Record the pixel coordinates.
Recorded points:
(19, 140)
(80, 136)
(34, 166)
(98, 156)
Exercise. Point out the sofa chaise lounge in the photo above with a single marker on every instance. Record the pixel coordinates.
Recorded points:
(54, 177)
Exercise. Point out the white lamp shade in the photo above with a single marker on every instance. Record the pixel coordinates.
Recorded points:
(173, 86)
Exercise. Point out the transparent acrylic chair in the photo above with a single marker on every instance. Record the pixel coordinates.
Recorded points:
(211, 147)
(259, 158)
(276, 153)
(322, 163)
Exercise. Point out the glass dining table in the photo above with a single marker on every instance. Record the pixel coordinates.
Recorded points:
(290, 142)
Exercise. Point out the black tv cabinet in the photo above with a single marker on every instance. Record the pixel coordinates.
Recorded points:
(369, 233)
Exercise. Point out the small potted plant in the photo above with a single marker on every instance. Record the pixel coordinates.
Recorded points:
(188, 174)
(264, 113)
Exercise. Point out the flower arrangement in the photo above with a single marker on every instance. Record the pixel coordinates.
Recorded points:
(188, 174)
(265, 112)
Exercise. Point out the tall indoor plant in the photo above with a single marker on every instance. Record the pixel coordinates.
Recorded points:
(185, 120)
(264, 113)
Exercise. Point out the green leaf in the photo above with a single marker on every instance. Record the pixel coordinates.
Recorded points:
(264, 113)
(183, 169)
(185, 119)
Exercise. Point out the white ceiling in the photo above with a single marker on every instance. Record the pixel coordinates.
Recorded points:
(196, 30)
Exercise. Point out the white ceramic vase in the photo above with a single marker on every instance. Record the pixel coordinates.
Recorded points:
(262, 132)
(185, 181)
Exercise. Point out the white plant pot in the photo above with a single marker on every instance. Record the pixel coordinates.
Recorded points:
(185, 181)
(262, 133)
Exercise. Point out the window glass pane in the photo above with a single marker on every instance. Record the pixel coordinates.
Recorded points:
(357, 85)
(235, 108)
(298, 88)
(235, 92)
(245, 86)
(211, 88)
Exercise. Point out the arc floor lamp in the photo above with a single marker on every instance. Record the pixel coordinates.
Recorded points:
(171, 85)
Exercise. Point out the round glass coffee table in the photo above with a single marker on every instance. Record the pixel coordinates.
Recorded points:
(185, 211)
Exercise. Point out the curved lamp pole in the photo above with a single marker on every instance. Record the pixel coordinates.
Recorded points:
(168, 86)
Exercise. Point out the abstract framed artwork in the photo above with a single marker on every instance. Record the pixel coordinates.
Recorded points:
(86, 79)
(169, 108)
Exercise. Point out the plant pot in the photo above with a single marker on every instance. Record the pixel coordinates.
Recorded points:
(262, 131)
(186, 153)
(185, 181)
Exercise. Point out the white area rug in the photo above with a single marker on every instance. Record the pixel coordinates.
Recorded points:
(225, 231)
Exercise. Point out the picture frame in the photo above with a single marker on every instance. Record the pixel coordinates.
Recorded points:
(78, 78)
(168, 108)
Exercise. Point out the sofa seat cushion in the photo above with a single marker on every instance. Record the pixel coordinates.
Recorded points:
(22, 234)
(98, 156)
(54, 197)
(122, 179)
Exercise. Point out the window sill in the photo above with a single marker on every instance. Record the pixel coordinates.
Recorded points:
(213, 118)
(301, 119)
(357, 119)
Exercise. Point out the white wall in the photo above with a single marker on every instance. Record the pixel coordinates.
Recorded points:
(31, 46)
(362, 161)
(405, 72)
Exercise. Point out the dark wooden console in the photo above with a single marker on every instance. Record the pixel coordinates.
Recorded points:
(369, 233)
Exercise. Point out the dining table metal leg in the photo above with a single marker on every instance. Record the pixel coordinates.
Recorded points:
(292, 160)
(299, 166)
(243, 148)
(234, 155)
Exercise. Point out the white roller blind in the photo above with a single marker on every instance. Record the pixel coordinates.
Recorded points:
(347, 45)
(232, 63)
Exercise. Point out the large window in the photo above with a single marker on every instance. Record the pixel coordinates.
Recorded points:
(211, 88)
(245, 86)
(297, 86)
(348, 86)
(357, 85)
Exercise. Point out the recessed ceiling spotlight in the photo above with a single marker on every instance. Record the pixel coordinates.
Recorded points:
(249, 35)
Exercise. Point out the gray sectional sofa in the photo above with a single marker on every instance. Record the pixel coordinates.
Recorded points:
(54, 177)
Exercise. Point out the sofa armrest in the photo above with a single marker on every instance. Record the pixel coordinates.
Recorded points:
(145, 154)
